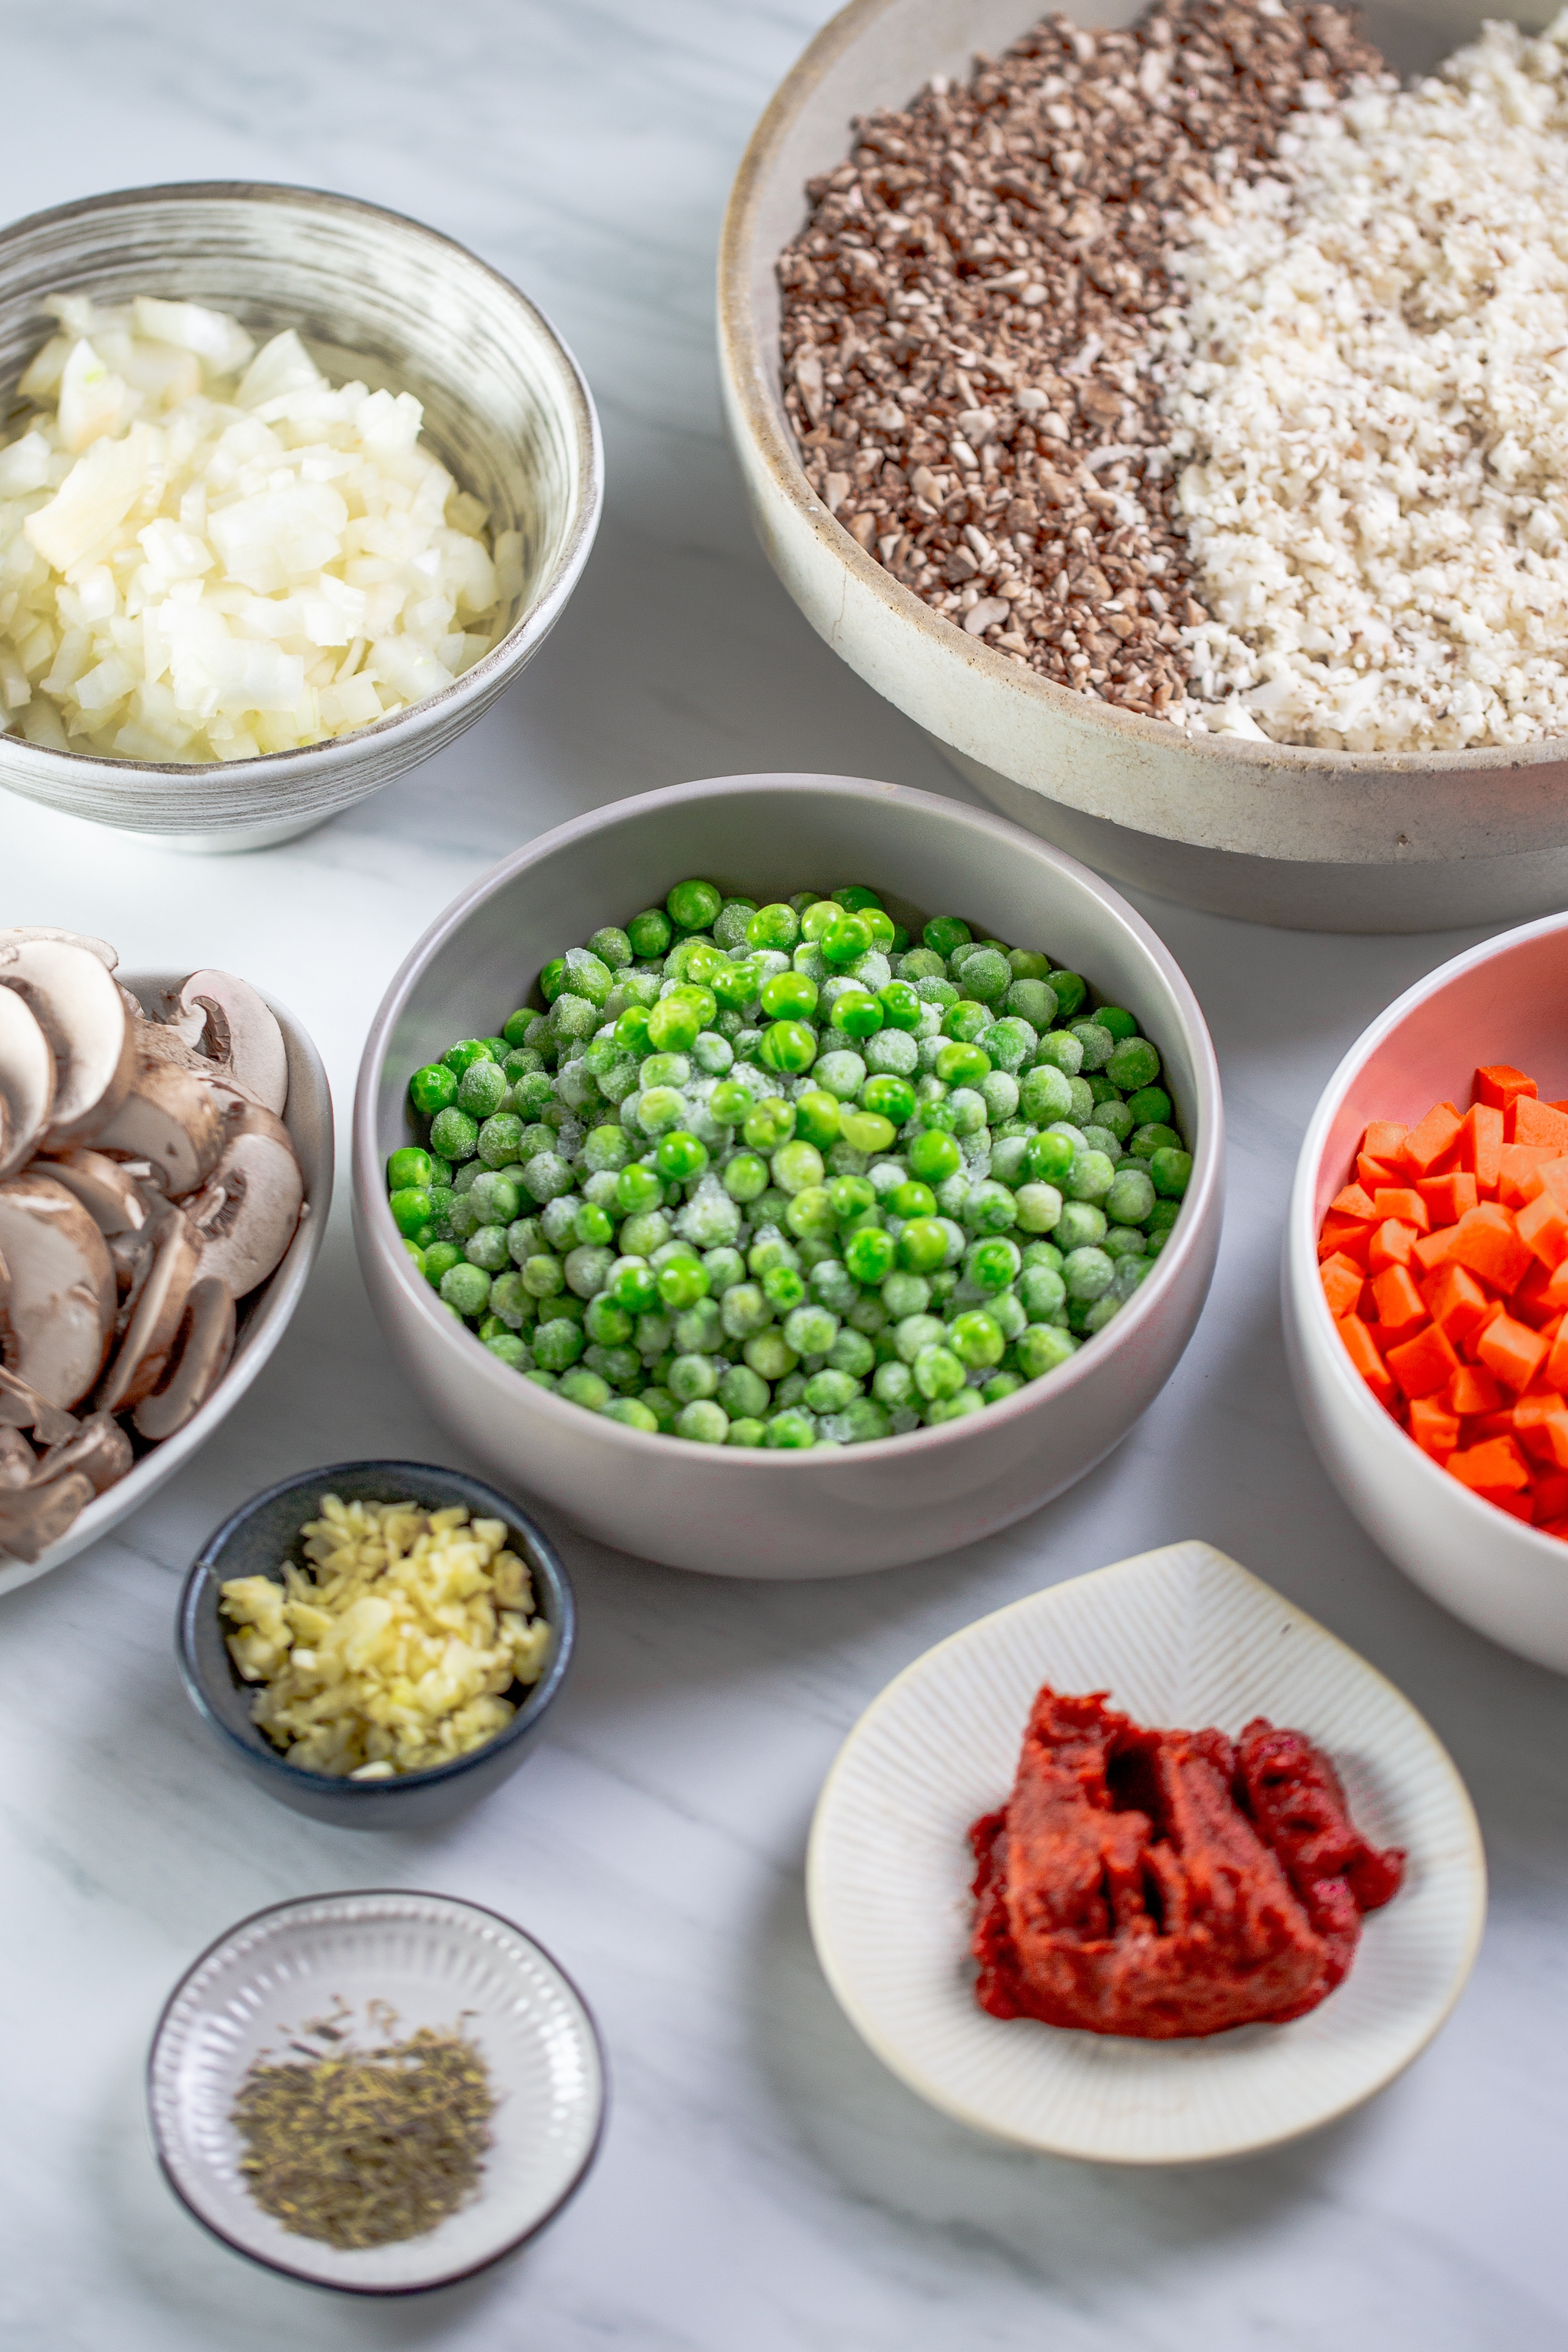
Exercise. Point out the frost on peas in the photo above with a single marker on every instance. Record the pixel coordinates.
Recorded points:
(839, 1073)
(712, 1052)
(1089, 1178)
(999, 1092)
(711, 1219)
(1131, 1195)
(546, 1176)
(892, 1053)
(1100, 1138)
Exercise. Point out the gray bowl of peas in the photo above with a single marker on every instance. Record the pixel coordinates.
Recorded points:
(789, 1176)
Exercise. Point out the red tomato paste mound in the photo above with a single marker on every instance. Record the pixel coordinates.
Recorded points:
(1166, 1884)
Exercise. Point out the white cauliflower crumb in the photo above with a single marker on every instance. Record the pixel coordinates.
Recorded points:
(1370, 389)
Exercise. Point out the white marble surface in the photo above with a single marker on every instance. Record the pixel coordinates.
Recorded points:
(765, 2184)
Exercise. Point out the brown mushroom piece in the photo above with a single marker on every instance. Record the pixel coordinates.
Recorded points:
(26, 1082)
(20, 932)
(196, 1363)
(139, 1360)
(247, 1213)
(110, 1190)
(172, 1118)
(236, 1026)
(77, 1004)
(34, 1517)
(57, 1296)
(100, 1451)
(22, 1407)
(17, 1459)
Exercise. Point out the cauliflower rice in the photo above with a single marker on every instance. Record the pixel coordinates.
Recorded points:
(1370, 394)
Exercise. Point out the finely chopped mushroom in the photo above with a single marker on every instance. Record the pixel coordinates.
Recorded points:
(208, 552)
(394, 1654)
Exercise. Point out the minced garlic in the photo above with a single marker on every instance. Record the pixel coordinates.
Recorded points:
(393, 1654)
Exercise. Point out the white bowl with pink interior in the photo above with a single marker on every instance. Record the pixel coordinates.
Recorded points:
(1504, 1001)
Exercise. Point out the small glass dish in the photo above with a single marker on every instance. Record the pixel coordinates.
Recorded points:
(433, 1961)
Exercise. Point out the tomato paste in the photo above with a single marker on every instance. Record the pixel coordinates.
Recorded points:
(1167, 1884)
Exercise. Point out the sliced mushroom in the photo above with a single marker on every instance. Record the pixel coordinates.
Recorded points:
(57, 1299)
(23, 931)
(22, 1407)
(77, 1004)
(246, 1213)
(196, 1363)
(108, 1189)
(139, 1363)
(237, 1028)
(99, 1450)
(17, 1459)
(172, 1118)
(33, 1516)
(131, 1256)
(26, 1082)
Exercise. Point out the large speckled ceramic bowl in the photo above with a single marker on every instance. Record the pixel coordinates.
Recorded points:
(1318, 840)
(378, 299)
(760, 1512)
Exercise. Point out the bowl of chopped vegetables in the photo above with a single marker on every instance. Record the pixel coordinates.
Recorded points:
(1090, 414)
(1423, 1291)
(788, 1231)
(291, 488)
(376, 1643)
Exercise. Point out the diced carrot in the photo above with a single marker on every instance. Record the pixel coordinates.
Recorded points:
(1496, 1462)
(1554, 1176)
(1363, 1350)
(1519, 1173)
(1562, 1105)
(1338, 1233)
(1372, 1174)
(1427, 1142)
(1435, 1429)
(1537, 1122)
(1342, 1282)
(1480, 1145)
(1424, 1365)
(1542, 1224)
(1400, 1309)
(1558, 1528)
(1550, 1494)
(1487, 1242)
(1480, 1425)
(1529, 1303)
(1510, 1350)
(1385, 1139)
(1402, 1200)
(1473, 1390)
(1455, 1301)
(1497, 1085)
(1540, 1424)
(1432, 1249)
(1353, 1202)
(1390, 1244)
(1521, 1505)
(1447, 1197)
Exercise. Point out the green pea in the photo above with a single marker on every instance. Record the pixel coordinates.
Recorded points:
(409, 1168)
(1070, 990)
(961, 1064)
(454, 1134)
(1131, 1195)
(901, 1004)
(1041, 1347)
(774, 930)
(1142, 1143)
(993, 1264)
(467, 1288)
(783, 1288)
(1172, 1171)
(1121, 1023)
(866, 1131)
(922, 1246)
(964, 1022)
(857, 1012)
(1134, 1064)
(938, 1372)
(439, 1260)
(410, 1209)
(632, 1030)
(788, 1046)
(650, 933)
(499, 1141)
(933, 1157)
(1089, 1178)
(945, 932)
(682, 1281)
(870, 1254)
(1087, 1274)
(469, 1050)
(679, 1157)
(976, 1339)
(816, 1117)
(693, 905)
(639, 1189)
(795, 1166)
(433, 1088)
(1150, 1107)
(486, 1247)
(789, 996)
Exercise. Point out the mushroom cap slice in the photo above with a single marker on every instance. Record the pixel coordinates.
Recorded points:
(248, 1210)
(23, 1408)
(196, 1363)
(99, 1450)
(139, 1360)
(19, 933)
(172, 1118)
(106, 1189)
(57, 1296)
(26, 1082)
(240, 1031)
(77, 1004)
(34, 1517)
(17, 1459)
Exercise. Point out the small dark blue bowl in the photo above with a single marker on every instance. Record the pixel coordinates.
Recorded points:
(256, 1541)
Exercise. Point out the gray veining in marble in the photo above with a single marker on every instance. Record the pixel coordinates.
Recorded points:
(765, 2184)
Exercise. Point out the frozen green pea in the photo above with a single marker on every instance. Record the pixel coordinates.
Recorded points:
(632, 1413)
(852, 1352)
(1150, 1107)
(499, 1140)
(1041, 1349)
(1038, 1207)
(486, 1247)
(744, 1393)
(580, 1386)
(810, 1330)
(993, 1264)
(746, 1177)
(704, 1421)
(546, 1177)
(1087, 1274)
(433, 1089)
(1131, 1195)
(1041, 1291)
(1142, 1144)
(467, 1288)
(906, 1294)
(830, 1391)
(410, 1211)
(1100, 1138)
(1124, 1241)
(999, 1092)
(1172, 1171)
(1089, 1178)
(938, 1372)
(770, 1354)
(914, 1332)
(607, 1325)
(1081, 1226)
(691, 1378)
(1034, 1001)
(1083, 1102)
(1061, 1050)
(1134, 1063)
(481, 1089)
(976, 1338)
(953, 1408)
(410, 1169)
(454, 1134)
(792, 1430)
(794, 1166)
(989, 1208)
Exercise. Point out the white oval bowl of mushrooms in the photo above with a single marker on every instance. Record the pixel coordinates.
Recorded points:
(165, 1171)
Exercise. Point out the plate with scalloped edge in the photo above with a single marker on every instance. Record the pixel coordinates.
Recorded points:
(1182, 1635)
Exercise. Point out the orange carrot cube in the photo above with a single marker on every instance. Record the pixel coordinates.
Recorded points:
(1519, 1173)
(1543, 1224)
(1342, 1280)
(1400, 1309)
(1455, 1301)
(1372, 1174)
(1390, 1244)
(1537, 1122)
(1511, 1351)
(1424, 1365)
(1402, 1200)
(1432, 1249)
(1434, 1428)
(1495, 1462)
(1447, 1197)
(1363, 1350)
(1353, 1202)
(1487, 1241)
(1340, 1233)
(1481, 1146)
(1385, 1139)
(1473, 1391)
(1499, 1083)
(1431, 1139)
(1540, 1424)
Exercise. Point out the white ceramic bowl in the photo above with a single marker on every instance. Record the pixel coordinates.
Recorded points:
(1505, 1001)
(378, 299)
(263, 1318)
(435, 1961)
(1319, 840)
(1178, 1636)
(742, 1512)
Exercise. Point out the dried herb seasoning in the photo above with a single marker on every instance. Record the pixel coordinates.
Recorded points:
(363, 2147)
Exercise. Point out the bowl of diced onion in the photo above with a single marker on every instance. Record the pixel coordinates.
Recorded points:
(291, 489)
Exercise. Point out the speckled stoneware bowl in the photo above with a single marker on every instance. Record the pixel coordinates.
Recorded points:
(1504, 1001)
(1318, 840)
(433, 1961)
(261, 1319)
(255, 1541)
(736, 1511)
(378, 299)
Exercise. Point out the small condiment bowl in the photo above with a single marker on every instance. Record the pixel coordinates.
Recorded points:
(1506, 1000)
(432, 1962)
(255, 1541)
(379, 300)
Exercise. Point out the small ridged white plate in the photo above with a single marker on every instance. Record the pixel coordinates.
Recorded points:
(1181, 1636)
(434, 1961)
